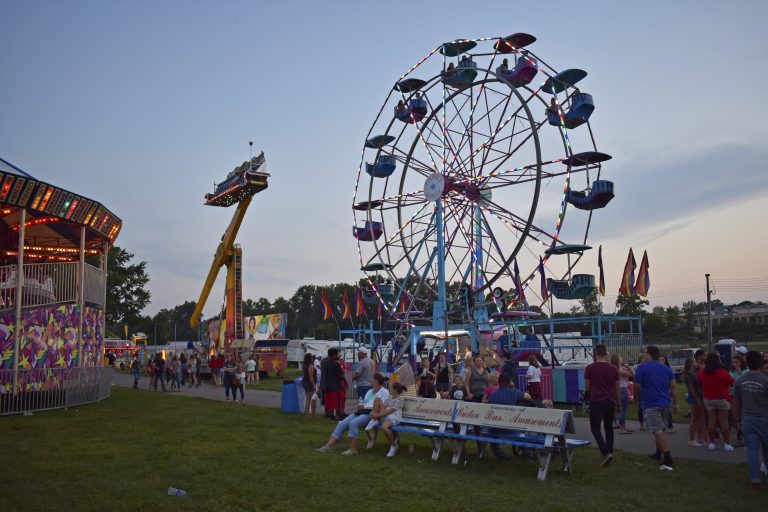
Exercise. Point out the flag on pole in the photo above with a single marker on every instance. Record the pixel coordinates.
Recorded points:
(543, 284)
(627, 287)
(643, 283)
(359, 305)
(519, 284)
(602, 274)
(347, 310)
(327, 309)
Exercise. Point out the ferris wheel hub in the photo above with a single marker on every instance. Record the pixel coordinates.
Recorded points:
(436, 186)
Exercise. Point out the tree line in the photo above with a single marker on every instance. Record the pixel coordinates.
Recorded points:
(127, 297)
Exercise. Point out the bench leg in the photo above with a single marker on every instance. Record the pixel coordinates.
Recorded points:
(544, 460)
(458, 451)
(567, 455)
(458, 446)
(437, 445)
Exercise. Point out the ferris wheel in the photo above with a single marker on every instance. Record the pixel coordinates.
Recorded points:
(466, 175)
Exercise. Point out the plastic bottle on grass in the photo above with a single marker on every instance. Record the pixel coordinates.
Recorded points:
(176, 492)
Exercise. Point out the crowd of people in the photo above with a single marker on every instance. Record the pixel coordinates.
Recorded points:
(180, 370)
(476, 378)
(720, 401)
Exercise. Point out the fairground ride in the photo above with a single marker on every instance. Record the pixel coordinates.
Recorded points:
(241, 185)
(461, 194)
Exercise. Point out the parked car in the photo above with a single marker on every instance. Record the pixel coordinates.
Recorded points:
(677, 359)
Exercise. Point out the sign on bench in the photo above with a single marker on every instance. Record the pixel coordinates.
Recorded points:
(542, 430)
(525, 419)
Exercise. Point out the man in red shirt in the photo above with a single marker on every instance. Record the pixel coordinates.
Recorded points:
(601, 382)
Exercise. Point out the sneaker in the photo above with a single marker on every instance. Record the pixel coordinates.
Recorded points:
(664, 467)
(349, 451)
(695, 444)
(711, 446)
(371, 443)
(728, 447)
(324, 449)
(392, 451)
(227, 399)
(371, 425)
(763, 469)
(655, 455)
(607, 460)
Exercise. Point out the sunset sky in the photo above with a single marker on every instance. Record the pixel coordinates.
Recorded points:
(143, 105)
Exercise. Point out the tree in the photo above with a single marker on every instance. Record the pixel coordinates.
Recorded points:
(630, 306)
(591, 305)
(126, 292)
(653, 324)
(672, 318)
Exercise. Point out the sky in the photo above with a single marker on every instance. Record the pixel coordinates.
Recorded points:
(143, 105)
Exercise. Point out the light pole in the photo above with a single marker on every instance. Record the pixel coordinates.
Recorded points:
(709, 315)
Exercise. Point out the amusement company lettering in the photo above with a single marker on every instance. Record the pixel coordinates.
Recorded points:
(500, 416)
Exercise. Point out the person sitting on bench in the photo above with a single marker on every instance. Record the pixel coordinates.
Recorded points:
(507, 394)
(359, 420)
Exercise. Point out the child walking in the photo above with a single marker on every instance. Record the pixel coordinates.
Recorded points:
(386, 415)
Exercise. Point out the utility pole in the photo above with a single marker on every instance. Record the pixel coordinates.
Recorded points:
(709, 316)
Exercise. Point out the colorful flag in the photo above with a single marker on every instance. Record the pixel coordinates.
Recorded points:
(327, 309)
(627, 287)
(347, 310)
(543, 285)
(643, 283)
(519, 284)
(359, 305)
(602, 274)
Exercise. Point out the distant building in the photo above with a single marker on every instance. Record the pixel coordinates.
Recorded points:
(752, 315)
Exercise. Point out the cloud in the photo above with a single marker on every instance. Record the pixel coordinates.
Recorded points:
(669, 189)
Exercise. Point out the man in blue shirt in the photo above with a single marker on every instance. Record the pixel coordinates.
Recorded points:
(505, 395)
(502, 343)
(656, 384)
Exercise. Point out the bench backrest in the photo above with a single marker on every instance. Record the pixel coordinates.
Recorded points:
(526, 419)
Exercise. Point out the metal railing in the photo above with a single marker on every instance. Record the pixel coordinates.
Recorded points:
(50, 283)
(42, 389)
(95, 286)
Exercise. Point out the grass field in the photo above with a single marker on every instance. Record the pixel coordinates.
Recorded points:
(123, 454)
(275, 383)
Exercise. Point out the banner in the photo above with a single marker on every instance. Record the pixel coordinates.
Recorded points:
(529, 419)
(260, 327)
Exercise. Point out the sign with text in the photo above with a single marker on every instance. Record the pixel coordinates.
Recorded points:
(528, 419)
(429, 409)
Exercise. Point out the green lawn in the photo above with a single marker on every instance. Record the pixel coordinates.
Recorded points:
(275, 383)
(123, 454)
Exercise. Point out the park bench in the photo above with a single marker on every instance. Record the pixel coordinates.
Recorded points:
(541, 431)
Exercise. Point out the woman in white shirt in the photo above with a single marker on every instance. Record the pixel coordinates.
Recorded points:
(533, 375)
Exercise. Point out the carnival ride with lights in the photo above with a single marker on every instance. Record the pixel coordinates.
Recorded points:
(239, 187)
(461, 196)
(54, 245)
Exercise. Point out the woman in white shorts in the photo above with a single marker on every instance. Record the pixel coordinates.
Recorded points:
(386, 415)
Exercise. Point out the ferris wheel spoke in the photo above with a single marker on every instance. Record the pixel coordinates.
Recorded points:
(440, 143)
(518, 224)
(504, 268)
(421, 168)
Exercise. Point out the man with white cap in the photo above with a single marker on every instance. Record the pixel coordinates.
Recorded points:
(742, 350)
(363, 372)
